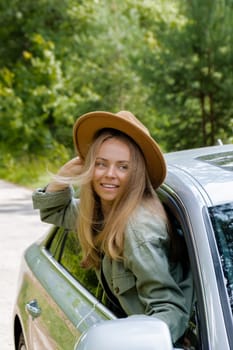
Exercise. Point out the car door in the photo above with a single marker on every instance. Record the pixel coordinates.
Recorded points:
(60, 308)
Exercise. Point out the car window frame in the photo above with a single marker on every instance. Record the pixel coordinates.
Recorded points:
(173, 202)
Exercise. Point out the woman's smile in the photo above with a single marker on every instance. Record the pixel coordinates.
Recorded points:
(109, 186)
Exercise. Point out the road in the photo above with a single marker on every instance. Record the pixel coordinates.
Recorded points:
(20, 225)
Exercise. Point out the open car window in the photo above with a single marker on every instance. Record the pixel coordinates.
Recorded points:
(180, 241)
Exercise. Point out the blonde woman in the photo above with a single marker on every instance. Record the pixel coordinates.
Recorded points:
(121, 224)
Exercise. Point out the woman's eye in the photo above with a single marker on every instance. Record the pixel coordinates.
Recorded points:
(124, 167)
(100, 164)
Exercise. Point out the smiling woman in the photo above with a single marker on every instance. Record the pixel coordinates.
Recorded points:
(121, 225)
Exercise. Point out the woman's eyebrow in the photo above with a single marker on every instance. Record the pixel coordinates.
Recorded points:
(101, 158)
(118, 161)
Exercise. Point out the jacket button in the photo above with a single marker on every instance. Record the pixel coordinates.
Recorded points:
(117, 290)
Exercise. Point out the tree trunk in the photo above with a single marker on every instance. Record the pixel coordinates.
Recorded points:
(203, 119)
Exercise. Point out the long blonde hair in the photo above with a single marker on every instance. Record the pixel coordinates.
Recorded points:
(98, 235)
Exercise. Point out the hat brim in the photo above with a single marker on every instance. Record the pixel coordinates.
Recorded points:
(89, 124)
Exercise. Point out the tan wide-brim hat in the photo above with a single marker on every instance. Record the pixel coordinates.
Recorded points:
(87, 126)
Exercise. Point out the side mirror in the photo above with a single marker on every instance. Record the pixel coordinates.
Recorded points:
(132, 333)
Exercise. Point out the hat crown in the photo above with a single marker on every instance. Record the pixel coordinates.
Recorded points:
(132, 119)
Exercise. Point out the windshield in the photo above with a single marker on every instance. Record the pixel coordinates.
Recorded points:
(222, 221)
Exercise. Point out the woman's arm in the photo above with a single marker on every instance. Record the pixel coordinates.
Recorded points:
(56, 201)
(59, 208)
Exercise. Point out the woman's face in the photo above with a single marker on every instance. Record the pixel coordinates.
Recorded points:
(111, 173)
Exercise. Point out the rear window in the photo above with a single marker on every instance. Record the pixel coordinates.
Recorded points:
(223, 160)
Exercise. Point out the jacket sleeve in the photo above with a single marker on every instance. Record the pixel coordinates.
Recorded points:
(57, 208)
(158, 284)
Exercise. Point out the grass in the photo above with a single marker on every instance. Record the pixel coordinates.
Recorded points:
(30, 172)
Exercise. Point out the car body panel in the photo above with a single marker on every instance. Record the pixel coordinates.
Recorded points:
(215, 183)
(68, 309)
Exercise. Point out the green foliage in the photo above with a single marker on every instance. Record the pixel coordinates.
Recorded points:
(189, 68)
(169, 62)
(30, 170)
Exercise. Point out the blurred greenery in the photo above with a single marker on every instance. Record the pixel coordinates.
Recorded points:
(168, 61)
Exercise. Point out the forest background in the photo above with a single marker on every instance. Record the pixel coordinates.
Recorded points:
(170, 62)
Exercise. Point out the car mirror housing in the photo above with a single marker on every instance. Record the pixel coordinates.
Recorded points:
(132, 333)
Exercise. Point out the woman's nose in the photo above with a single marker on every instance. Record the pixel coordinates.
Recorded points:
(111, 171)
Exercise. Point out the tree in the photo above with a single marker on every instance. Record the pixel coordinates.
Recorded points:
(188, 64)
(168, 61)
(72, 58)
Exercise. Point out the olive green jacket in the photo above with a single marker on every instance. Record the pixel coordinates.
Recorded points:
(145, 282)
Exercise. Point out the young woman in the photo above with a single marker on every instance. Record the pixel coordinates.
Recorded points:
(121, 224)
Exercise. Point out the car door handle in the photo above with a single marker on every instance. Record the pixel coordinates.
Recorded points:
(33, 308)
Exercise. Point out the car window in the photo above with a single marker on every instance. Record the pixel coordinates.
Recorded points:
(65, 248)
(55, 241)
(71, 259)
(222, 221)
(223, 160)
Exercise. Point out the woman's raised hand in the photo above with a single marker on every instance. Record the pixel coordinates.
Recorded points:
(72, 168)
(69, 170)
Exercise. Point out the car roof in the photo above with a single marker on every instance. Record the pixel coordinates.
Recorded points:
(210, 168)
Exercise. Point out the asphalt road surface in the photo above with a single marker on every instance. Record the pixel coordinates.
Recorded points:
(20, 226)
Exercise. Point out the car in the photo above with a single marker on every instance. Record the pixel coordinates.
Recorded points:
(62, 306)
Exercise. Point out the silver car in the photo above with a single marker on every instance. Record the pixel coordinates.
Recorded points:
(61, 306)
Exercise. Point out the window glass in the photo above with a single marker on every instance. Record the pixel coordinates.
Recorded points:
(70, 259)
(55, 241)
(223, 160)
(222, 221)
(64, 247)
